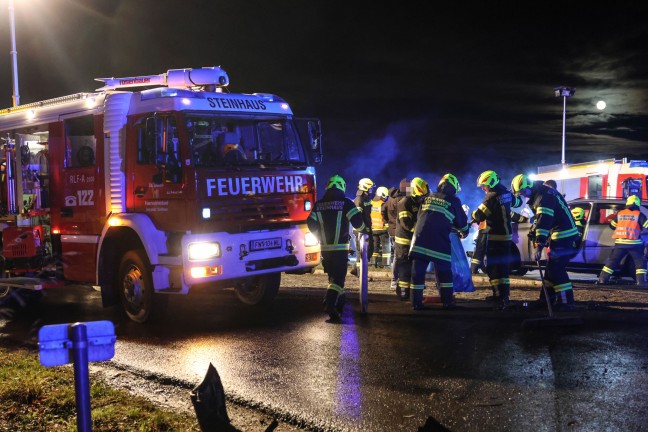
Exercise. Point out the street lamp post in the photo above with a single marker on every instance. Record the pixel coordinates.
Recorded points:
(564, 92)
(14, 55)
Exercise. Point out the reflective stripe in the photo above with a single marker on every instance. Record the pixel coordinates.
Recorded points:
(500, 237)
(607, 270)
(563, 287)
(641, 271)
(484, 209)
(403, 241)
(337, 288)
(446, 285)
(545, 210)
(446, 213)
(431, 253)
(403, 284)
(562, 234)
(334, 247)
(542, 232)
(404, 214)
(628, 242)
(417, 286)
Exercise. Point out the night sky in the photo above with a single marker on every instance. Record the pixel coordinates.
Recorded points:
(408, 89)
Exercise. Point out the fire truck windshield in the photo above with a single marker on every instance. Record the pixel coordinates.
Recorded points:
(226, 141)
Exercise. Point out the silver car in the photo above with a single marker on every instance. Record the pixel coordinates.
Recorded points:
(597, 239)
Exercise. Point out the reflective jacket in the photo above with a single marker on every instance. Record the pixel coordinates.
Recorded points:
(627, 225)
(554, 223)
(378, 223)
(439, 214)
(408, 208)
(496, 211)
(329, 220)
(363, 202)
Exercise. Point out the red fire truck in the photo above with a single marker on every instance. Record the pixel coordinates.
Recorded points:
(610, 178)
(154, 185)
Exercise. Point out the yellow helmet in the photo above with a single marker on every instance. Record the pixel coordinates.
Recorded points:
(578, 213)
(520, 182)
(365, 184)
(419, 187)
(382, 192)
(633, 200)
(452, 179)
(337, 182)
(488, 178)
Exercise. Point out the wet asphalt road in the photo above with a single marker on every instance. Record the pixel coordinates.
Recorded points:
(472, 369)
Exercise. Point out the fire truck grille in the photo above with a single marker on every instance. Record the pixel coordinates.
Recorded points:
(247, 210)
(16, 251)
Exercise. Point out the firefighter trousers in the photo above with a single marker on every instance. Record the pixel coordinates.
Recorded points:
(443, 272)
(498, 261)
(619, 252)
(404, 265)
(556, 278)
(381, 248)
(335, 266)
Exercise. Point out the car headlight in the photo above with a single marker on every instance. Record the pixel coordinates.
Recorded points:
(203, 250)
(310, 239)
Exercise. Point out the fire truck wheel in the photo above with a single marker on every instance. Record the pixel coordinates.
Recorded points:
(135, 286)
(259, 290)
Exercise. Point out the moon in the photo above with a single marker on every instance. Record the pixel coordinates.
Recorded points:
(601, 105)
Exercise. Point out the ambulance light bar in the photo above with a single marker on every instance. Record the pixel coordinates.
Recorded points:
(177, 78)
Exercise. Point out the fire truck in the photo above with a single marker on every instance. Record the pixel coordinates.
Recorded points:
(154, 185)
(610, 178)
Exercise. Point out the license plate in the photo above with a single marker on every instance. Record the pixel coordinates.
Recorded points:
(272, 243)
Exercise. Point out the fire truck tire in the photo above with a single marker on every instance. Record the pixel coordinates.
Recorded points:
(259, 290)
(135, 285)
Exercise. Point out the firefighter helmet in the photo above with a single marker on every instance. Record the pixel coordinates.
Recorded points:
(633, 200)
(578, 213)
(520, 182)
(452, 180)
(419, 187)
(365, 184)
(337, 182)
(382, 192)
(488, 178)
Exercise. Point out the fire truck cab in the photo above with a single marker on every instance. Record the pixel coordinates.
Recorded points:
(157, 184)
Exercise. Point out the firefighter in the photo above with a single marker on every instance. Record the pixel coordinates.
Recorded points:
(556, 230)
(578, 213)
(495, 210)
(408, 208)
(628, 225)
(363, 202)
(329, 221)
(440, 212)
(379, 226)
(390, 213)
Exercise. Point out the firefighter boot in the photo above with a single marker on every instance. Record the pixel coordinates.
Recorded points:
(504, 292)
(339, 306)
(564, 301)
(641, 280)
(406, 294)
(604, 278)
(331, 301)
(417, 299)
(447, 298)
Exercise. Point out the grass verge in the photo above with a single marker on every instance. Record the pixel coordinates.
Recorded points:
(35, 398)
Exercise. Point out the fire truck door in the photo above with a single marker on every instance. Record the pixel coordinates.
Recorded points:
(157, 186)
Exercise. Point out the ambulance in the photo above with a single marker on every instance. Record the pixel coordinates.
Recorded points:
(154, 185)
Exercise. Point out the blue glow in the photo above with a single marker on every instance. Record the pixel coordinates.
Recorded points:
(348, 388)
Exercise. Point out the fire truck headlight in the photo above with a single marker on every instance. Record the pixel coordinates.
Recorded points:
(310, 239)
(206, 213)
(307, 205)
(203, 250)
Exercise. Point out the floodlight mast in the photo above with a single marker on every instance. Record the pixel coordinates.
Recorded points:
(565, 92)
(14, 55)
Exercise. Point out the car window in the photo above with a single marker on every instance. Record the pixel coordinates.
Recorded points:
(605, 213)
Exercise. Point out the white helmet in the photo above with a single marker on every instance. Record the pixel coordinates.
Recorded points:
(382, 192)
(365, 184)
